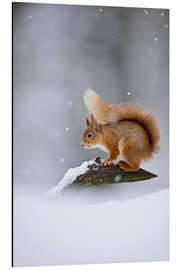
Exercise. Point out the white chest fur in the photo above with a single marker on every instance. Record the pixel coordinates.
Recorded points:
(100, 146)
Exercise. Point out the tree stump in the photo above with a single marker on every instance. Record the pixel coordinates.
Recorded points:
(99, 174)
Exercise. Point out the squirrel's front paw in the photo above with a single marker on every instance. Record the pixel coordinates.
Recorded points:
(107, 162)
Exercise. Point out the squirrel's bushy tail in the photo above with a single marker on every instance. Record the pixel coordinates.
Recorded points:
(106, 114)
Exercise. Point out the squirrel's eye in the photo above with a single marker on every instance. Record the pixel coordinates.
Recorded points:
(89, 135)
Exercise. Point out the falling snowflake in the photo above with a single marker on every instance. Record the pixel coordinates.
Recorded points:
(166, 26)
(156, 39)
(100, 9)
(66, 128)
(62, 160)
(146, 12)
(128, 93)
(162, 14)
(30, 17)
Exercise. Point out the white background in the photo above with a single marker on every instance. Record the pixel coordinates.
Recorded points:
(6, 132)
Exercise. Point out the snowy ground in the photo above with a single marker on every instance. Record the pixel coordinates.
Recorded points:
(90, 225)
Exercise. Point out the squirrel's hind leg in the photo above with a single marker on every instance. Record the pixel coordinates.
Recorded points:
(126, 167)
(130, 154)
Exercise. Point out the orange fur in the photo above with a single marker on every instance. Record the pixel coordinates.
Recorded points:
(126, 129)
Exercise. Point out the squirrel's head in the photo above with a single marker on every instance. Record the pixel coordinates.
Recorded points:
(92, 135)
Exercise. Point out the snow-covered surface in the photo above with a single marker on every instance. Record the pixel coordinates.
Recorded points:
(117, 178)
(90, 225)
(69, 177)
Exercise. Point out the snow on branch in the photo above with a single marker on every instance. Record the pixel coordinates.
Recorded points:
(94, 172)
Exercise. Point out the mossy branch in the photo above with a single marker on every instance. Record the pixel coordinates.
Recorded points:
(99, 174)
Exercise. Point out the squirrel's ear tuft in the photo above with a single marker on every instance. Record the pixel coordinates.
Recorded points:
(87, 121)
(94, 124)
(92, 119)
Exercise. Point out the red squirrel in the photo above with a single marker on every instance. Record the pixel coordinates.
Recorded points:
(127, 130)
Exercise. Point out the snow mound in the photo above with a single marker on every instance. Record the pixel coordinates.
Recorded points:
(117, 178)
(69, 177)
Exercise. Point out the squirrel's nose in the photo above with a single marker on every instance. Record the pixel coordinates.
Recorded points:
(82, 144)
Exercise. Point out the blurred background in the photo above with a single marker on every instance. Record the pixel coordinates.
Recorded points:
(58, 52)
